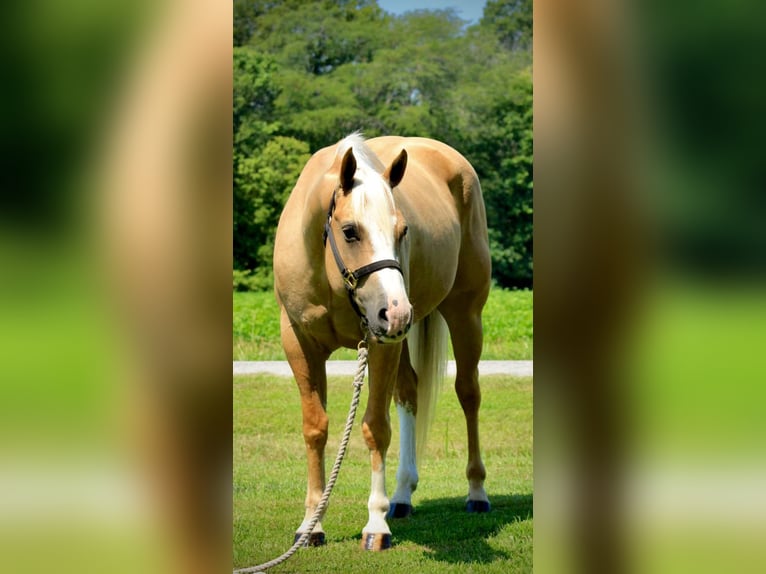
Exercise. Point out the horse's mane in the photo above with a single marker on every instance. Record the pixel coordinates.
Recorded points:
(362, 151)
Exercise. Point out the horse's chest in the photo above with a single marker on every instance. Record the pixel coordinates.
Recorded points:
(331, 329)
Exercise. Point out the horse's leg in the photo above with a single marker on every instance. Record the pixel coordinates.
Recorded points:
(464, 322)
(307, 362)
(405, 397)
(376, 428)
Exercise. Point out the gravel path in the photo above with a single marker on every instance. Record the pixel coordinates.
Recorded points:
(515, 368)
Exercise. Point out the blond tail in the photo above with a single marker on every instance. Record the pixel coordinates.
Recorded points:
(427, 344)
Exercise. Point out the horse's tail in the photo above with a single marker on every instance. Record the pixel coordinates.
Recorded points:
(427, 344)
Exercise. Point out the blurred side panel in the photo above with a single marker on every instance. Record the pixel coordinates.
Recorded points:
(650, 260)
(115, 297)
(589, 271)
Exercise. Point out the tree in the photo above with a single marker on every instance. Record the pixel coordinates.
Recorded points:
(255, 91)
(504, 157)
(253, 125)
(264, 182)
(489, 118)
(246, 13)
(311, 72)
(512, 22)
(317, 37)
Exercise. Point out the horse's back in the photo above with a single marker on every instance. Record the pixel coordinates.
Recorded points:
(433, 156)
(441, 165)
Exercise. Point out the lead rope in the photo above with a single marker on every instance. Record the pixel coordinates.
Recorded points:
(322, 506)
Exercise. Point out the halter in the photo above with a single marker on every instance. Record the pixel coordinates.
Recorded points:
(351, 278)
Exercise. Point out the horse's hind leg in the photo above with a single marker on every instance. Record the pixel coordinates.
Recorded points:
(308, 366)
(464, 320)
(405, 397)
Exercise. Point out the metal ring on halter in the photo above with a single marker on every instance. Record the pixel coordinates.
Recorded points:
(350, 280)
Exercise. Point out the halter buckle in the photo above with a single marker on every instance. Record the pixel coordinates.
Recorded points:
(350, 280)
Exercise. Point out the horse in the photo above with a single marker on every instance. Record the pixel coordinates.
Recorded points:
(385, 240)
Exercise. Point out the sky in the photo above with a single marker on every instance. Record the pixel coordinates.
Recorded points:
(466, 9)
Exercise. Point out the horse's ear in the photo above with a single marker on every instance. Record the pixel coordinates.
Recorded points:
(347, 171)
(395, 172)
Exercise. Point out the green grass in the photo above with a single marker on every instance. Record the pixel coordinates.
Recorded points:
(256, 327)
(507, 321)
(507, 327)
(270, 478)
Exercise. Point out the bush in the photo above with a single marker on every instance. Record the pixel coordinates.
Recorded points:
(259, 280)
(263, 183)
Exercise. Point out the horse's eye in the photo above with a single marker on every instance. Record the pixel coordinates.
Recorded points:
(351, 233)
(404, 232)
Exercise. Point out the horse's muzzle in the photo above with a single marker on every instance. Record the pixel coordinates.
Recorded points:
(392, 323)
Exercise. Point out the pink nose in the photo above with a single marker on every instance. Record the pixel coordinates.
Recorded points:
(399, 317)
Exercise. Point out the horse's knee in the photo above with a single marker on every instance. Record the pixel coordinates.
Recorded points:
(315, 438)
(377, 434)
(406, 389)
(315, 433)
(469, 394)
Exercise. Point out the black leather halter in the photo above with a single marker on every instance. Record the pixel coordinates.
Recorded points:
(351, 278)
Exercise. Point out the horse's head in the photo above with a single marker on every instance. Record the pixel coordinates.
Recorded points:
(366, 233)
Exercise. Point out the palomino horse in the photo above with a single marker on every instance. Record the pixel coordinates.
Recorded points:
(367, 251)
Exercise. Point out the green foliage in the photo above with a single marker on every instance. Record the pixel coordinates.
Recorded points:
(503, 157)
(253, 100)
(253, 106)
(245, 14)
(512, 22)
(309, 73)
(259, 280)
(264, 181)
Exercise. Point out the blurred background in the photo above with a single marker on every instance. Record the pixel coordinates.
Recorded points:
(116, 231)
(650, 307)
(115, 293)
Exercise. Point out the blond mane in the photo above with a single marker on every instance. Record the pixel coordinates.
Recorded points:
(362, 151)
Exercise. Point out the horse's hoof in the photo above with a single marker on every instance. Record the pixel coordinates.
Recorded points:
(314, 539)
(399, 510)
(376, 542)
(477, 506)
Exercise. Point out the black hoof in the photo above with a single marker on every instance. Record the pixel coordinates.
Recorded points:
(477, 506)
(376, 542)
(314, 539)
(399, 510)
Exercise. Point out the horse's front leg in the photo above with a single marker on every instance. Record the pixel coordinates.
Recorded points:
(307, 362)
(376, 427)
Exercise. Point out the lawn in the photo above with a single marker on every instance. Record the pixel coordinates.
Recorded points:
(507, 327)
(270, 474)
